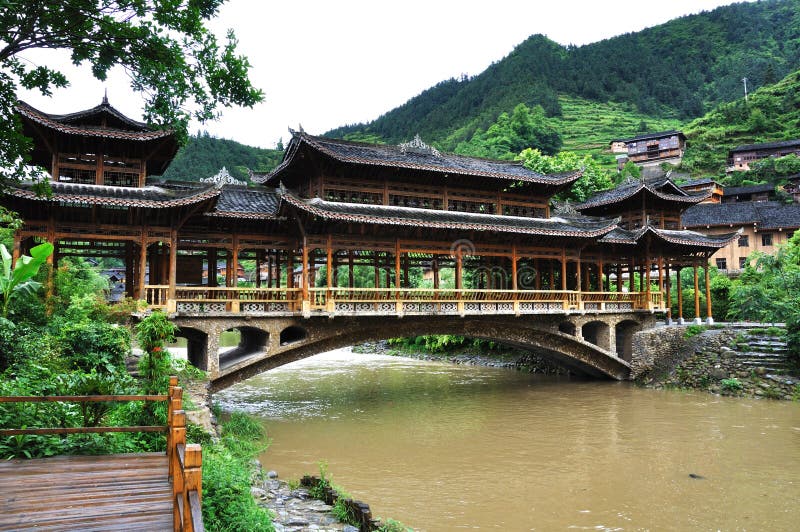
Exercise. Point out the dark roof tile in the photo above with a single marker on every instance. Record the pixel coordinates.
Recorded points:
(154, 197)
(764, 214)
(243, 202)
(767, 145)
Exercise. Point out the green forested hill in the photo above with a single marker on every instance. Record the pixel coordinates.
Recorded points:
(679, 69)
(771, 113)
(204, 156)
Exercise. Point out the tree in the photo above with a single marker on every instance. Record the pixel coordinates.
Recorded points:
(18, 281)
(593, 180)
(163, 45)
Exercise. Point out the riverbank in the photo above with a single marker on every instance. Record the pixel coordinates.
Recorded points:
(739, 362)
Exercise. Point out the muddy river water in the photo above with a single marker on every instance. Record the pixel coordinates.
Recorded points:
(446, 447)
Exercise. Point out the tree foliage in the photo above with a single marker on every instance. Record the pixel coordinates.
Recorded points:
(594, 178)
(509, 135)
(164, 46)
(19, 281)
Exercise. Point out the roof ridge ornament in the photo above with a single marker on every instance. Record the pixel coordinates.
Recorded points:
(416, 145)
(105, 97)
(565, 209)
(223, 177)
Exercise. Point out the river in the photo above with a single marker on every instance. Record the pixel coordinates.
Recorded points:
(446, 447)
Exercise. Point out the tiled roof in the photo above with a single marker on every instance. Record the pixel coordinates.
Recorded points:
(750, 189)
(243, 202)
(684, 237)
(697, 182)
(582, 226)
(66, 124)
(764, 214)
(629, 190)
(651, 136)
(395, 156)
(154, 197)
(767, 145)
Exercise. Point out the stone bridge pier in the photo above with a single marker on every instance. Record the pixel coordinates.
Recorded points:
(598, 345)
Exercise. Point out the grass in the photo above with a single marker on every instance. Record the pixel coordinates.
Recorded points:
(693, 330)
(228, 469)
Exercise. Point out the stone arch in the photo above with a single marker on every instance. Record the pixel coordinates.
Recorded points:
(597, 333)
(293, 334)
(538, 335)
(624, 336)
(252, 341)
(567, 327)
(196, 346)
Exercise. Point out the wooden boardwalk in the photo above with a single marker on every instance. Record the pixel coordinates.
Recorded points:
(88, 493)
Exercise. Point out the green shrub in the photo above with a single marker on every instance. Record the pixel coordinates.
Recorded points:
(693, 330)
(731, 385)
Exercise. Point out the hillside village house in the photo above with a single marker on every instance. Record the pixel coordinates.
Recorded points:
(741, 157)
(652, 148)
(764, 225)
(710, 189)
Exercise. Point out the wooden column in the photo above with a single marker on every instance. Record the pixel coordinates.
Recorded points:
(619, 277)
(668, 295)
(514, 285)
(680, 295)
(435, 266)
(329, 265)
(600, 286)
(696, 293)
(405, 271)
(290, 268)
(647, 269)
(709, 316)
(228, 275)
(660, 274)
(350, 275)
(397, 271)
(276, 263)
(578, 275)
(259, 254)
(129, 280)
(212, 267)
(173, 263)
(377, 271)
(551, 284)
(235, 261)
(458, 269)
(304, 279)
(142, 266)
(538, 282)
(563, 269)
(631, 269)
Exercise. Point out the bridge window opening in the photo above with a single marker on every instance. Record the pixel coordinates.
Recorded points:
(624, 337)
(567, 327)
(293, 334)
(191, 345)
(597, 333)
(239, 343)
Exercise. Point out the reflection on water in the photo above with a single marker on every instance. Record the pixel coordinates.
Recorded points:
(444, 447)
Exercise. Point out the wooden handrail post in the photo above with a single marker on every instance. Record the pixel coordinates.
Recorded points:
(174, 400)
(192, 481)
(178, 439)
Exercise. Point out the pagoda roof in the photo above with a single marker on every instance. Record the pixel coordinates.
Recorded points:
(412, 156)
(243, 202)
(86, 123)
(662, 188)
(764, 214)
(580, 226)
(167, 195)
(669, 236)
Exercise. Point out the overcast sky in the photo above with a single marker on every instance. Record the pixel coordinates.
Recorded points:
(324, 64)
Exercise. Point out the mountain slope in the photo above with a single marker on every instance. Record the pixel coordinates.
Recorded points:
(678, 69)
(203, 156)
(771, 113)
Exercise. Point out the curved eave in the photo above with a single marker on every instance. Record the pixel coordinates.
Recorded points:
(554, 180)
(602, 201)
(466, 222)
(669, 236)
(52, 122)
(243, 215)
(116, 196)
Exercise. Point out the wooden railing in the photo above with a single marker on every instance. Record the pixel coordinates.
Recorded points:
(388, 300)
(156, 295)
(184, 461)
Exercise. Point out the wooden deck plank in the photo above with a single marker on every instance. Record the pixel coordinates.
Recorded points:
(127, 492)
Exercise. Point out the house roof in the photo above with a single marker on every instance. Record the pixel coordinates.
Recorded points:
(654, 187)
(698, 182)
(86, 123)
(580, 226)
(670, 236)
(750, 189)
(243, 202)
(413, 158)
(764, 214)
(767, 145)
(651, 136)
(155, 197)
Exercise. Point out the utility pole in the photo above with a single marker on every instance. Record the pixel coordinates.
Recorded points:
(744, 80)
